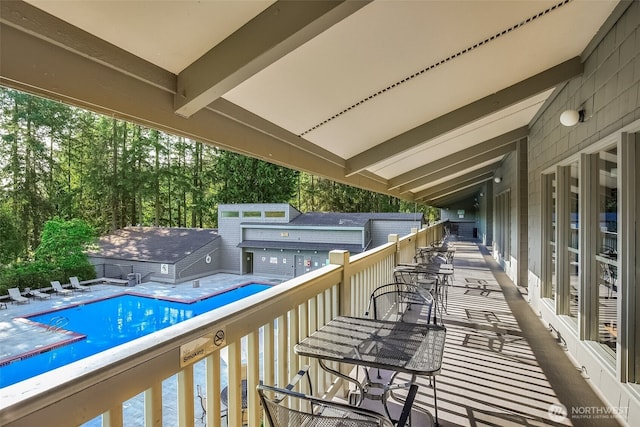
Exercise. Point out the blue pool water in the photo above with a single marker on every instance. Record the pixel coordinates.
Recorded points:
(111, 322)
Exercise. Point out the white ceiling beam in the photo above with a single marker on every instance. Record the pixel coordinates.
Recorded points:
(469, 163)
(471, 183)
(453, 198)
(454, 184)
(467, 114)
(457, 157)
(33, 63)
(281, 28)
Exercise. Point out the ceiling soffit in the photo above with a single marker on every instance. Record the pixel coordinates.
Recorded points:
(324, 94)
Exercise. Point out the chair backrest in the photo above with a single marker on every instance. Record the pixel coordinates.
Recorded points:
(286, 408)
(74, 281)
(15, 293)
(56, 285)
(401, 302)
(405, 275)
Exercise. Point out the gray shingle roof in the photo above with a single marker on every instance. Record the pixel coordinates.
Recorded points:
(154, 244)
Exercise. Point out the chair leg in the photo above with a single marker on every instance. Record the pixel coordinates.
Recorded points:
(435, 401)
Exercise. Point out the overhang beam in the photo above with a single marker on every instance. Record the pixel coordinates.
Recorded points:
(467, 114)
(470, 163)
(59, 72)
(454, 197)
(479, 175)
(458, 157)
(278, 30)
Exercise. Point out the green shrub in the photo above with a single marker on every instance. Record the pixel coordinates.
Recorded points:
(37, 275)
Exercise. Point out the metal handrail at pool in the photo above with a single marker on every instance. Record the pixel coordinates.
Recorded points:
(100, 384)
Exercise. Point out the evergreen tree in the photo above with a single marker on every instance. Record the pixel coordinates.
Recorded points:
(247, 180)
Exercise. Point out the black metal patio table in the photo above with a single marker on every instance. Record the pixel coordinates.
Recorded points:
(412, 348)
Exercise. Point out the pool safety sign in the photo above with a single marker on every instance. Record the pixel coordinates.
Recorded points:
(197, 349)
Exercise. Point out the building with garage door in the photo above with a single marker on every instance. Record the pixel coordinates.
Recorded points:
(277, 239)
(263, 239)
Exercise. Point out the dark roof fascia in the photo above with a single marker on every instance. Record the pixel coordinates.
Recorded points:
(307, 246)
(288, 226)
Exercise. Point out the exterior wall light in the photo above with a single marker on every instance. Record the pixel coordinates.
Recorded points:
(571, 117)
(497, 180)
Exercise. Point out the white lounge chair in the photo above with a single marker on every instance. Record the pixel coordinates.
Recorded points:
(75, 284)
(40, 295)
(58, 289)
(14, 294)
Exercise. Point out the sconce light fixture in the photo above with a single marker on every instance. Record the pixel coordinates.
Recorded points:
(481, 194)
(572, 117)
(497, 180)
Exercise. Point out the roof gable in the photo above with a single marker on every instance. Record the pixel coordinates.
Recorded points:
(155, 244)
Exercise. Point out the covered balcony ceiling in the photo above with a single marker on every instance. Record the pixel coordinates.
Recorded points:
(416, 99)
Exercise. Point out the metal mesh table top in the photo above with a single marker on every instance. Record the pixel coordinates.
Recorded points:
(403, 347)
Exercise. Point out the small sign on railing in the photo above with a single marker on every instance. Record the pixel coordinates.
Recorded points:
(197, 349)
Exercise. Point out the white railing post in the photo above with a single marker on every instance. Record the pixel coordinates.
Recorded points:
(113, 417)
(234, 387)
(185, 397)
(253, 378)
(339, 257)
(395, 238)
(213, 404)
(153, 406)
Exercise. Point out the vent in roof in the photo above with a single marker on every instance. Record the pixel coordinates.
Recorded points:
(441, 62)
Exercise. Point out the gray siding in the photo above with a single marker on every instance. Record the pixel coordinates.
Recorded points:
(380, 230)
(609, 90)
(287, 263)
(196, 265)
(230, 230)
(325, 235)
(146, 269)
(273, 263)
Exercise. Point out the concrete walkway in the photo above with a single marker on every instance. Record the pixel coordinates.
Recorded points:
(501, 366)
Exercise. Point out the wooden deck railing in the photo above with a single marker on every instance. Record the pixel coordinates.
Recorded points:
(270, 323)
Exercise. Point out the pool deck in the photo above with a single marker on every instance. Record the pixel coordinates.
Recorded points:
(21, 337)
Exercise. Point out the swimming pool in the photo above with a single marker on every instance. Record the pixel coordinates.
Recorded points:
(94, 326)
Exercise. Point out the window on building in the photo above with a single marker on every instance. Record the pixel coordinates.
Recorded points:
(503, 222)
(589, 260)
(573, 242)
(607, 255)
(274, 214)
(252, 214)
(550, 206)
(230, 214)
